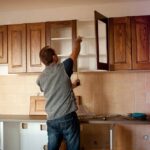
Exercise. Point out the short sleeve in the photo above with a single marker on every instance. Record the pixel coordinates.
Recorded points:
(68, 64)
(38, 83)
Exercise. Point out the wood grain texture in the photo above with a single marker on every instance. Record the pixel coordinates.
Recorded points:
(3, 45)
(120, 43)
(37, 105)
(141, 42)
(35, 42)
(17, 48)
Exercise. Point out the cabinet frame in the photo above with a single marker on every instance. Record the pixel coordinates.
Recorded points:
(101, 65)
(69, 23)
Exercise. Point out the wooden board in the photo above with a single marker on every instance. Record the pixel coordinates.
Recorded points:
(37, 105)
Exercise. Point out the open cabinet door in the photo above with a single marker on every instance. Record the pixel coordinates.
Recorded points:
(101, 30)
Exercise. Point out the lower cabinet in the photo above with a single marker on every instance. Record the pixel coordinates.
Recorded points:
(11, 135)
(24, 136)
(94, 137)
(33, 136)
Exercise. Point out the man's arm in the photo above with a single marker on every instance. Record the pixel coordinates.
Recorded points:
(76, 49)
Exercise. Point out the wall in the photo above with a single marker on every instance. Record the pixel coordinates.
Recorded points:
(102, 93)
(46, 12)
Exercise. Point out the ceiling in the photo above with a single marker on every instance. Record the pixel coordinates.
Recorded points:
(6, 5)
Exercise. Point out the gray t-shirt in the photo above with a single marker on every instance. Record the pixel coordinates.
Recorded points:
(57, 88)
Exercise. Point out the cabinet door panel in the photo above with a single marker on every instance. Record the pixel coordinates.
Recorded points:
(120, 43)
(11, 132)
(3, 44)
(17, 48)
(35, 41)
(101, 30)
(32, 137)
(141, 42)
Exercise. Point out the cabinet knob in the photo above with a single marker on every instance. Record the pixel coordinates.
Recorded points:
(45, 147)
(24, 126)
(43, 127)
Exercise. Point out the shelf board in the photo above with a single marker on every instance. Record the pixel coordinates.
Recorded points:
(81, 55)
(61, 38)
(102, 38)
(103, 55)
(63, 55)
(87, 55)
(88, 37)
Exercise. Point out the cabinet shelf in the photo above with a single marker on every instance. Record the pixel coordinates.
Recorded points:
(81, 55)
(61, 38)
(88, 37)
(63, 55)
(87, 55)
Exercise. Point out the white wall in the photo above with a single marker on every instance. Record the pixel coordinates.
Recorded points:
(82, 12)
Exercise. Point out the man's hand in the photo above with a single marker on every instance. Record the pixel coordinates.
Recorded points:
(76, 83)
(79, 39)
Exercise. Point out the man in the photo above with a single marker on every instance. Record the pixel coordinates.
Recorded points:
(54, 81)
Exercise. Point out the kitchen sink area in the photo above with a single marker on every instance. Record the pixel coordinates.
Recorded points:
(113, 119)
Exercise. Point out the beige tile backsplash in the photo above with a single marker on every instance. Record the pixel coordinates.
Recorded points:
(102, 93)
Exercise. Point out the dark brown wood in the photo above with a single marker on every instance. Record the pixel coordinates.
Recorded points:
(53, 26)
(63, 146)
(3, 45)
(120, 43)
(141, 42)
(35, 41)
(17, 48)
(74, 36)
(101, 65)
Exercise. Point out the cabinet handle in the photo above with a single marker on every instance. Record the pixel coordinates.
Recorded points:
(24, 126)
(43, 127)
(45, 147)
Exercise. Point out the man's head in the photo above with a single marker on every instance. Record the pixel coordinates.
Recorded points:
(48, 55)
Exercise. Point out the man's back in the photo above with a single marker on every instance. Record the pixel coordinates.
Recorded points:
(57, 88)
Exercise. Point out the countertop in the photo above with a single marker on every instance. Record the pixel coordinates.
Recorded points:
(95, 119)
(23, 118)
(114, 119)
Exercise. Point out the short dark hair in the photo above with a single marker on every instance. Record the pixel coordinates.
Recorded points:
(46, 55)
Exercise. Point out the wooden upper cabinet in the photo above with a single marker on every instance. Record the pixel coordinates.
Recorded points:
(17, 48)
(120, 43)
(3, 45)
(141, 42)
(60, 35)
(35, 41)
(24, 44)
